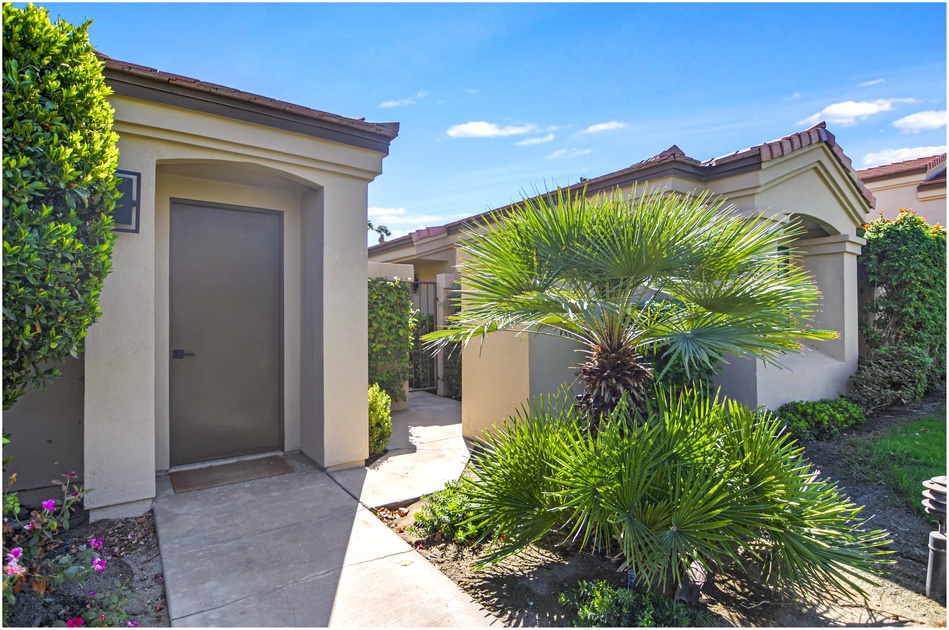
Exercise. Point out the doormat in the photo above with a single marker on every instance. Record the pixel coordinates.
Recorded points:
(225, 474)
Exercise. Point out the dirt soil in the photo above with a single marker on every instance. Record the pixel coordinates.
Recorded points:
(523, 590)
(131, 553)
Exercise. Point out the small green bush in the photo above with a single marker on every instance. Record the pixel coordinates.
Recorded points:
(380, 420)
(820, 419)
(447, 512)
(896, 375)
(602, 605)
(699, 480)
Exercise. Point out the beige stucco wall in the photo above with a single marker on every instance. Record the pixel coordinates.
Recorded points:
(321, 189)
(901, 192)
(508, 371)
(46, 434)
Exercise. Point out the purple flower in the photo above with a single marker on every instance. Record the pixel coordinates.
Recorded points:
(29, 526)
(49, 505)
(70, 474)
(95, 543)
(75, 622)
(131, 624)
(98, 564)
(92, 593)
(14, 554)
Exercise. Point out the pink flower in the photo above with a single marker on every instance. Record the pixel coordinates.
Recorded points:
(14, 568)
(49, 505)
(131, 624)
(70, 474)
(91, 593)
(14, 554)
(98, 564)
(75, 622)
(95, 543)
(29, 526)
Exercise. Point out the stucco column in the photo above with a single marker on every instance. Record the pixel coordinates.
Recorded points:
(119, 406)
(833, 262)
(334, 354)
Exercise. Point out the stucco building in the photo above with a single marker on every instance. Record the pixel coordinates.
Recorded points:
(918, 184)
(804, 176)
(234, 318)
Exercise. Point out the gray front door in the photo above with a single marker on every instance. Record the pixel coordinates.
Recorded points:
(226, 299)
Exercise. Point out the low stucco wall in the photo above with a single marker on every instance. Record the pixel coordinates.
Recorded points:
(46, 434)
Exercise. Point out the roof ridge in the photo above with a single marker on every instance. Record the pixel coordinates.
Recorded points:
(390, 130)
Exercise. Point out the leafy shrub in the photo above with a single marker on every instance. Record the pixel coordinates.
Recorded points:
(893, 376)
(904, 261)
(391, 320)
(675, 375)
(820, 419)
(448, 512)
(59, 189)
(601, 605)
(697, 481)
(36, 558)
(380, 420)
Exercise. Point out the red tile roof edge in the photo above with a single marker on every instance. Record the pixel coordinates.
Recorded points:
(388, 130)
(898, 169)
(767, 151)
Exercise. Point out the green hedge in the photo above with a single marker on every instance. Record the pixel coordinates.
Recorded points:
(820, 419)
(59, 189)
(904, 263)
(893, 376)
(391, 320)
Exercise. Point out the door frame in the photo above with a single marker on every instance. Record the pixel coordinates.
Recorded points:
(281, 315)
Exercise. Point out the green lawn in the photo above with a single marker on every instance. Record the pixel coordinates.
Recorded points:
(902, 456)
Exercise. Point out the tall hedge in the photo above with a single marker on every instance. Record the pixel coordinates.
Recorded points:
(904, 261)
(391, 320)
(59, 189)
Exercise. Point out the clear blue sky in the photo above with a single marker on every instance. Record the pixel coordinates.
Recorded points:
(500, 99)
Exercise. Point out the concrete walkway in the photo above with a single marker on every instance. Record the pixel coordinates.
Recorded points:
(425, 451)
(300, 550)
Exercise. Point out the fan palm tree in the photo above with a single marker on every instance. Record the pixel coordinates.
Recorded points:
(683, 275)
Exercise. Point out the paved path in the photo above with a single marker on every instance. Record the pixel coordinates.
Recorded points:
(299, 550)
(426, 450)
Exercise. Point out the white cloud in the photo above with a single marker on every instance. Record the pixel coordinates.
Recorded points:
(481, 129)
(888, 156)
(568, 153)
(600, 127)
(472, 91)
(539, 140)
(405, 101)
(398, 216)
(874, 82)
(849, 112)
(922, 121)
(795, 96)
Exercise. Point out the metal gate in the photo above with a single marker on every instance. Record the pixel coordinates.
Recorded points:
(424, 366)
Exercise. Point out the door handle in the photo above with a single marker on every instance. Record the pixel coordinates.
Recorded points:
(178, 353)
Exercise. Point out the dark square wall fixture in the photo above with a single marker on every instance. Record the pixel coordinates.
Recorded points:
(127, 208)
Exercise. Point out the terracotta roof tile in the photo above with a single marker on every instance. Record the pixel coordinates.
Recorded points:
(906, 167)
